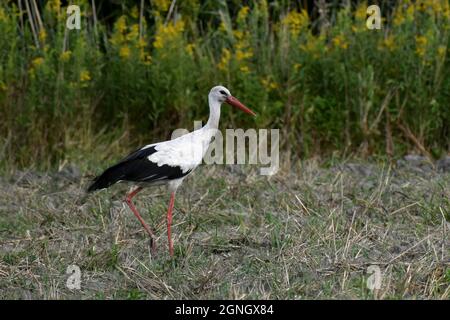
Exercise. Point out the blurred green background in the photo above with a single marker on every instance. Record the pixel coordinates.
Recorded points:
(136, 70)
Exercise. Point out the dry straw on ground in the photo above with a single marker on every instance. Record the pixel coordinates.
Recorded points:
(310, 232)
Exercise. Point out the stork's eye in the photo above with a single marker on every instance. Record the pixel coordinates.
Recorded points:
(223, 92)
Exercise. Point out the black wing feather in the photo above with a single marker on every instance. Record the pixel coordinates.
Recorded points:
(136, 167)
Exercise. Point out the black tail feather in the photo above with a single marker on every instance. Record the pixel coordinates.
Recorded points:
(106, 179)
(137, 168)
(120, 170)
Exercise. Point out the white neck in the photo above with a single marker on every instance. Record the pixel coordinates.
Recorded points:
(214, 114)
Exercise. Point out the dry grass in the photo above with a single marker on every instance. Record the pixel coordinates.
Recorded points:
(309, 233)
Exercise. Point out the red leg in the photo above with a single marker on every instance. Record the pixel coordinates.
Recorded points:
(169, 222)
(136, 213)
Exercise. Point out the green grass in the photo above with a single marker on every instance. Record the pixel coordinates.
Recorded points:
(310, 232)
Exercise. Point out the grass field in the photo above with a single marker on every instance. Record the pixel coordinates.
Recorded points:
(309, 232)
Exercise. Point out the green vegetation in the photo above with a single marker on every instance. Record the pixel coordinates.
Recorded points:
(331, 84)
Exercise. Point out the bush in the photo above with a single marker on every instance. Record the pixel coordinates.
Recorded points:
(334, 86)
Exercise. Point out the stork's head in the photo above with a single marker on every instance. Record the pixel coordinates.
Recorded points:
(222, 94)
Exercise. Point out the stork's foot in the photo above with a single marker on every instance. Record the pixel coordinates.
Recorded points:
(147, 229)
(152, 246)
(169, 222)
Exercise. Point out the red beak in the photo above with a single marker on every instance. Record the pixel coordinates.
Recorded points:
(236, 103)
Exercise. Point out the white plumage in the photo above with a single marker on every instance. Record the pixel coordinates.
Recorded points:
(185, 152)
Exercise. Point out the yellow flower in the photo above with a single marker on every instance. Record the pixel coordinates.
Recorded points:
(3, 15)
(244, 69)
(120, 27)
(124, 52)
(340, 41)
(243, 50)
(263, 8)
(54, 5)
(421, 40)
(146, 58)
(158, 43)
(360, 18)
(190, 49)
(161, 5)
(224, 60)
(243, 55)
(238, 34)
(296, 21)
(446, 11)
(420, 51)
(314, 45)
(420, 5)
(242, 14)
(268, 84)
(168, 34)
(117, 38)
(400, 15)
(410, 12)
(222, 26)
(141, 43)
(85, 76)
(37, 62)
(421, 45)
(388, 43)
(121, 24)
(437, 6)
(361, 11)
(42, 35)
(134, 12)
(441, 51)
(65, 56)
(398, 19)
(134, 32)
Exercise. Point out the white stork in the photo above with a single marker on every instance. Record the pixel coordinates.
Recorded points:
(167, 162)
